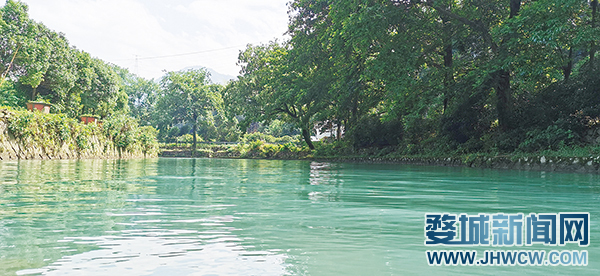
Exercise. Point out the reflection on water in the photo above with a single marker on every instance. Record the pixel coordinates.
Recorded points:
(167, 253)
(259, 217)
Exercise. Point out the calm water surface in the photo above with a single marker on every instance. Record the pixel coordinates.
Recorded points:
(260, 217)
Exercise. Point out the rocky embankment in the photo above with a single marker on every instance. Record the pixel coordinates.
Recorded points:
(41, 145)
(538, 163)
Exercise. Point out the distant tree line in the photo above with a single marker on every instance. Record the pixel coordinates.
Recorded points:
(38, 64)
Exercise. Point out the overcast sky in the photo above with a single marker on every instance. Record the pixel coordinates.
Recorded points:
(148, 36)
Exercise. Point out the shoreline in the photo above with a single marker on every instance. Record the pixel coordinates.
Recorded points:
(541, 163)
(34, 135)
(590, 165)
(586, 165)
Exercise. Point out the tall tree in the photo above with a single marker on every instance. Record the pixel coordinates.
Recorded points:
(15, 32)
(142, 94)
(187, 97)
(482, 17)
(45, 66)
(554, 36)
(594, 26)
(274, 85)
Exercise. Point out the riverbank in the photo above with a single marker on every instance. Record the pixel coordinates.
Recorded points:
(35, 135)
(538, 163)
(575, 160)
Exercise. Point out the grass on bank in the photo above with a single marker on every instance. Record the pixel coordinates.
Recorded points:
(254, 149)
(341, 150)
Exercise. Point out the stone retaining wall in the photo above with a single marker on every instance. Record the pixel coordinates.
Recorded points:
(13, 149)
(539, 163)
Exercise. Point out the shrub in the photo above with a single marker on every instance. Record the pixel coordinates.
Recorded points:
(188, 138)
(551, 138)
(50, 131)
(258, 136)
(371, 131)
(173, 132)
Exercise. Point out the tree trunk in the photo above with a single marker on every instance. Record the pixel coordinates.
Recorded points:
(515, 7)
(503, 93)
(568, 68)
(594, 5)
(448, 74)
(194, 130)
(34, 93)
(339, 132)
(306, 136)
(502, 79)
(9, 65)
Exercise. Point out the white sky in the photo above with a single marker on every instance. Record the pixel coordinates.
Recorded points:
(117, 31)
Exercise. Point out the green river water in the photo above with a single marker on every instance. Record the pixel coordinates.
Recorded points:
(262, 217)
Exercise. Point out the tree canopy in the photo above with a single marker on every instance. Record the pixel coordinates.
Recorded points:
(418, 76)
(452, 75)
(44, 66)
(189, 97)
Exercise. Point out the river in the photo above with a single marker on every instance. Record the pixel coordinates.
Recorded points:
(263, 217)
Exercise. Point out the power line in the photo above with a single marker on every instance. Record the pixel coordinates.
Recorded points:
(136, 64)
(137, 58)
(189, 54)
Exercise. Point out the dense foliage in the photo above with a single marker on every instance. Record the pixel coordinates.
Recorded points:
(189, 97)
(41, 65)
(38, 64)
(52, 132)
(444, 76)
(401, 76)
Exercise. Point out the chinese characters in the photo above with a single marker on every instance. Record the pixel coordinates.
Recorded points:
(507, 229)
